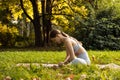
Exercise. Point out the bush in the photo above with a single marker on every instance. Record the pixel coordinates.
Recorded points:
(8, 35)
(106, 35)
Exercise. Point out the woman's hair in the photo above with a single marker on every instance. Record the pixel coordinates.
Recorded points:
(54, 32)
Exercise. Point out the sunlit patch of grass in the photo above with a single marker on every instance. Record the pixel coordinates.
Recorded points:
(104, 57)
(9, 59)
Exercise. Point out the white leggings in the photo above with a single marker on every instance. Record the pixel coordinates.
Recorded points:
(81, 59)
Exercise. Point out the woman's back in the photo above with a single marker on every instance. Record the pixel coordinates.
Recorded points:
(77, 46)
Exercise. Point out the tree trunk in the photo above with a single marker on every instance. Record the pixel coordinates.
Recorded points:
(38, 34)
(48, 19)
(43, 21)
(36, 23)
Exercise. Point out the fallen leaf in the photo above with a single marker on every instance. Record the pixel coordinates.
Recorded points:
(71, 76)
(68, 78)
(83, 76)
(7, 78)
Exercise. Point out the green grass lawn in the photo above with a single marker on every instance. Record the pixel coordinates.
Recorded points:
(9, 59)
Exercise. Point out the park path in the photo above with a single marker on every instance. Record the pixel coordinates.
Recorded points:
(101, 66)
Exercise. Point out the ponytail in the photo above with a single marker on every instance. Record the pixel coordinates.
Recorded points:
(64, 34)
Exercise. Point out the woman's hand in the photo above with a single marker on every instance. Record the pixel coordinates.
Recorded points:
(61, 64)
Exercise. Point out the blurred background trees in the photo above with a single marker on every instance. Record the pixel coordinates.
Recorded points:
(96, 23)
(101, 30)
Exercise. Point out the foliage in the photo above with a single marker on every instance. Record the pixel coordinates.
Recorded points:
(4, 16)
(8, 35)
(31, 10)
(9, 59)
(106, 35)
(67, 13)
(14, 8)
(101, 29)
(82, 19)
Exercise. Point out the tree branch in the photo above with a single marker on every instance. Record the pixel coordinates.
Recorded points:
(57, 4)
(57, 14)
(62, 14)
(22, 6)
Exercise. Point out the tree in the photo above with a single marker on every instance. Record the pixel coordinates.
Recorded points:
(68, 13)
(35, 21)
(46, 19)
(59, 12)
(101, 29)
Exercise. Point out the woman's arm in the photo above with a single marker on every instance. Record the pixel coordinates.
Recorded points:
(66, 61)
(69, 49)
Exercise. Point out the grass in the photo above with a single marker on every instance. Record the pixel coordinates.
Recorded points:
(9, 59)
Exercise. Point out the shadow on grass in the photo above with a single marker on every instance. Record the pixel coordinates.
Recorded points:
(30, 49)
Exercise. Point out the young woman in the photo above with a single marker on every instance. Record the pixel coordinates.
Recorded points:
(75, 53)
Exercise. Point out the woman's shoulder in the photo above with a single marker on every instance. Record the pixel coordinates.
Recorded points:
(68, 40)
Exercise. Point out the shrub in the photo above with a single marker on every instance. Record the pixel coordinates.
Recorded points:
(106, 35)
(8, 35)
(99, 32)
